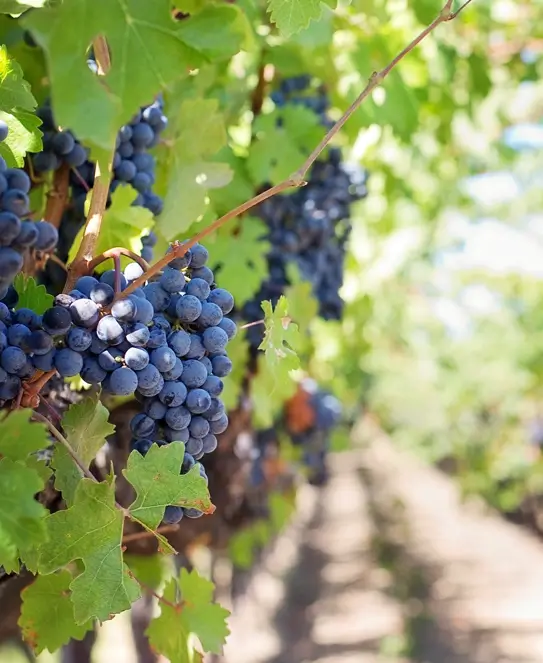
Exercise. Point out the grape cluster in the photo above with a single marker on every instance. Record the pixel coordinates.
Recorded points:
(18, 234)
(310, 227)
(165, 342)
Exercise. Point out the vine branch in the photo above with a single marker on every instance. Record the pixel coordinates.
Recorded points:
(57, 196)
(100, 190)
(114, 253)
(297, 179)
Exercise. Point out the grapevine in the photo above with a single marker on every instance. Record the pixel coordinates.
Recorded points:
(112, 359)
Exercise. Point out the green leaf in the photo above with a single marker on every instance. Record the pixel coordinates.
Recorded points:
(149, 569)
(284, 138)
(32, 295)
(217, 32)
(47, 613)
(302, 304)
(145, 47)
(169, 633)
(281, 336)
(245, 274)
(123, 225)
(158, 482)
(16, 106)
(291, 16)
(19, 437)
(22, 518)
(195, 132)
(91, 530)
(269, 389)
(86, 428)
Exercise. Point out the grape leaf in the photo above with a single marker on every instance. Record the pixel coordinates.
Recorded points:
(22, 518)
(149, 569)
(16, 104)
(245, 274)
(91, 530)
(158, 483)
(32, 295)
(269, 389)
(20, 437)
(291, 16)
(238, 349)
(47, 613)
(284, 138)
(86, 428)
(123, 225)
(169, 633)
(195, 132)
(144, 45)
(281, 337)
(217, 32)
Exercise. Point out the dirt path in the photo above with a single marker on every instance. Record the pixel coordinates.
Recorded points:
(386, 564)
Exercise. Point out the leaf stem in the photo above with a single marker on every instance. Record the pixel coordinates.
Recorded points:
(174, 606)
(252, 324)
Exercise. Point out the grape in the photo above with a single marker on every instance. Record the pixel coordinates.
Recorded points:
(222, 366)
(27, 237)
(5, 313)
(79, 339)
(179, 342)
(142, 182)
(126, 171)
(215, 339)
(213, 385)
(198, 427)
(153, 203)
(204, 274)
(109, 330)
(172, 280)
(172, 435)
(10, 227)
(102, 294)
(149, 378)
(133, 271)
(110, 359)
(173, 393)
(155, 409)
(10, 388)
(125, 151)
(198, 401)
(4, 131)
(47, 237)
(68, 362)
(197, 350)
(199, 256)
(44, 362)
(136, 358)
(193, 513)
(138, 334)
(198, 288)
(142, 135)
(210, 316)
(158, 297)
(144, 162)
(161, 322)
(123, 382)
(215, 410)
(194, 445)
(63, 143)
(24, 316)
(222, 298)
(142, 445)
(188, 308)
(228, 326)
(144, 310)
(109, 278)
(176, 371)
(157, 338)
(92, 372)
(125, 133)
(182, 262)
(85, 284)
(39, 342)
(12, 359)
(142, 425)
(125, 309)
(178, 417)
(194, 373)
(97, 346)
(11, 262)
(209, 443)
(172, 515)
(77, 157)
(56, 321)
(163, 358)
(16, 201)
(219, 425)
(85, 313)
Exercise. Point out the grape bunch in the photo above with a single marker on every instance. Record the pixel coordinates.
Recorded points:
(18, 234)
(311, 227)
(165, 342)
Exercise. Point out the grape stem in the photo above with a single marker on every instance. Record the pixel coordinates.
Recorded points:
(297, 179)
(100, 190)
(114, 253)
